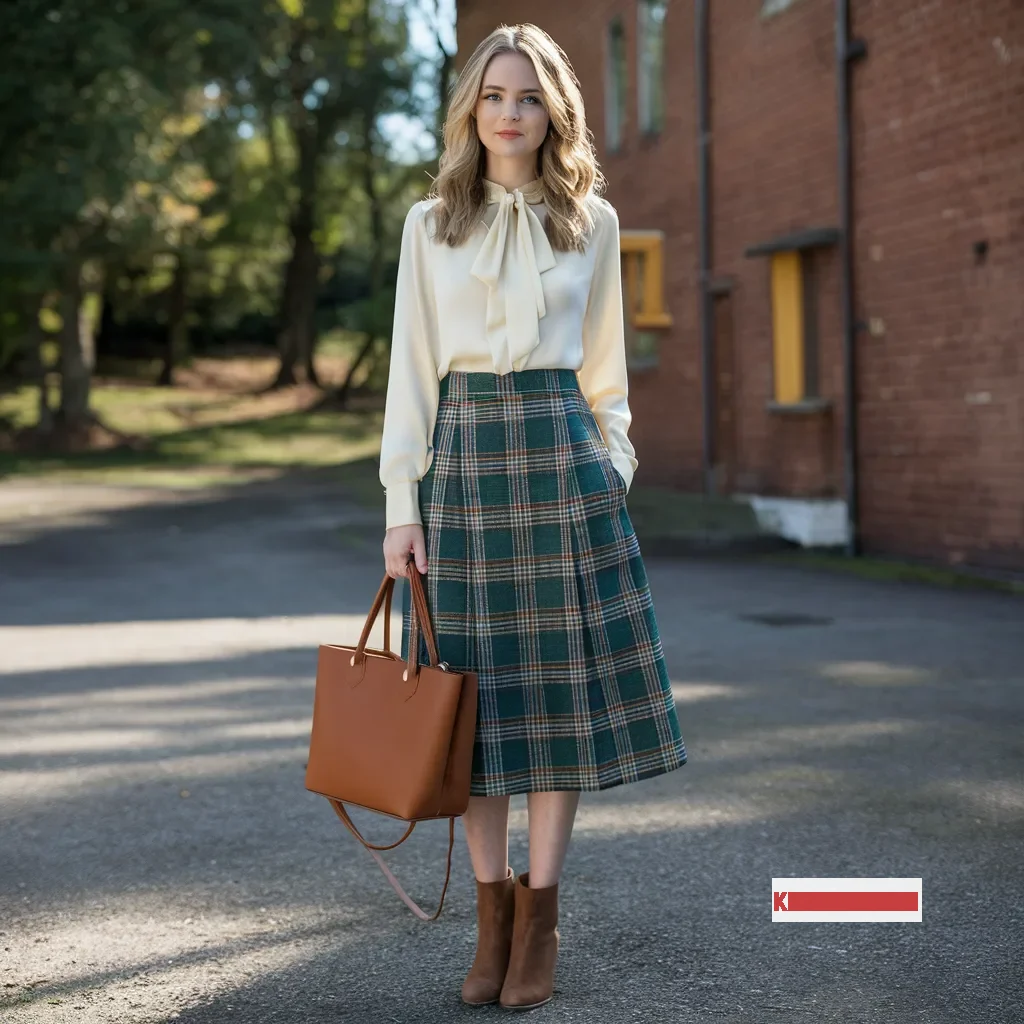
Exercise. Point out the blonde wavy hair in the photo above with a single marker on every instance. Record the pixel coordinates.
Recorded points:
(567, 160)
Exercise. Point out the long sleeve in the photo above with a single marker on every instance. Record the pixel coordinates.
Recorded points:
(411, 406)
(603, 377)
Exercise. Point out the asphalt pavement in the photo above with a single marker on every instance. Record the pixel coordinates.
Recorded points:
(161, 860)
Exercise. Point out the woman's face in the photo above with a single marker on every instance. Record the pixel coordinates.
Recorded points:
(511, 119)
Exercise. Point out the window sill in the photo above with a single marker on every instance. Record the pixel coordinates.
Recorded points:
(805, 407)
(645, 321)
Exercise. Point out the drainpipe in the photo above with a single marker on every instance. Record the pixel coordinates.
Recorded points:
(703, 44)
(847, 51)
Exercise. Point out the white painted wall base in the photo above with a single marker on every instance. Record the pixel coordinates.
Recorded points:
(812, 523)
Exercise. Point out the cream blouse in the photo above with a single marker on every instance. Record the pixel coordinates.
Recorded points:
(503, 301)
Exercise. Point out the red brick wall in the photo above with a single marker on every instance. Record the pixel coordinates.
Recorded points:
(939, 149)
(773, 154)
(939, 166)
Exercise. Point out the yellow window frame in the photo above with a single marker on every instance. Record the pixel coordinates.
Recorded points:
(793, 285)
(643, 258)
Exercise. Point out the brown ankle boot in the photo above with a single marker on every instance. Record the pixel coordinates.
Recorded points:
(530, 980)
(495, 907)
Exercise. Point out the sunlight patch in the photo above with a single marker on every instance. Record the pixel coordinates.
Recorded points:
(875, 673)
(32, 788)
(691, 693)
(786, 741)
(109, 644)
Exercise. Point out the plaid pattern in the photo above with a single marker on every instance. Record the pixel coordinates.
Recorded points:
(536, 582)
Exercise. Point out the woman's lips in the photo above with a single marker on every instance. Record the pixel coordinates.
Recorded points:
(510, 135)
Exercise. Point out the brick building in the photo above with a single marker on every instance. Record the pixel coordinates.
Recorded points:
(735, 257)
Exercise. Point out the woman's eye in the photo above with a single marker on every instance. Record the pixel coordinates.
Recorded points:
(533, 100)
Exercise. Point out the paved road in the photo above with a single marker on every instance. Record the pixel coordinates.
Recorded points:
(160, 859)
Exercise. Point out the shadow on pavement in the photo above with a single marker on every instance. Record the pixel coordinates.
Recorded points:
(160, 858)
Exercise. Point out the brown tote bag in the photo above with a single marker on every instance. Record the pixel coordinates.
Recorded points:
(392, 736)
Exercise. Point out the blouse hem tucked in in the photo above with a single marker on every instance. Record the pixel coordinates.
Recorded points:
(503, 302)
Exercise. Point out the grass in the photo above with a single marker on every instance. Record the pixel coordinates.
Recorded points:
(666, 513)
(226, 452)
(217, 426)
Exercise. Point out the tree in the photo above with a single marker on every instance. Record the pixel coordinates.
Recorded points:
(189, 164)
(85, 88)
(322, 63)
(440, 28)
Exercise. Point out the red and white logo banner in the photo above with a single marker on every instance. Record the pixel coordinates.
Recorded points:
(846, 899)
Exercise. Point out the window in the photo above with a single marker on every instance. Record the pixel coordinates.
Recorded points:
(794, 262)
(643, 263)
(651, 65)
(643, 287)
(615, 88)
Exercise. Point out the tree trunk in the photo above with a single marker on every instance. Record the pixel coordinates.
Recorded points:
(444, 78)
(76, 353)
(341, 395)
(177, 323)
(444, 74)
(108, 324)
(311, 339)
(376, 275)
(298, 303)
(296, 340)
(304, 310)
(285, 335)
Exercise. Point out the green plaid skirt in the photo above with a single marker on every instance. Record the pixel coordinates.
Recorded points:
(535, 581)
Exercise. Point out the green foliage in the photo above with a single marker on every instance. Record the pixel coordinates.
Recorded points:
(139, 134)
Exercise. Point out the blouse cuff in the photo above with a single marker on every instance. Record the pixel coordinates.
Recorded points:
(402, 503)
(625, 465)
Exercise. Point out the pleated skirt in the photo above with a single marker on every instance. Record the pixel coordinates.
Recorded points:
(535, 581)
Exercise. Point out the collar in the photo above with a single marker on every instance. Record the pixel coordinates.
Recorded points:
(532, 193)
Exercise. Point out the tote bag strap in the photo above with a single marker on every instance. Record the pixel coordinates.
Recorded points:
(339, 809)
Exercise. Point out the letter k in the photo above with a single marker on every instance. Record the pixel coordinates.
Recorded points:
(780, 901)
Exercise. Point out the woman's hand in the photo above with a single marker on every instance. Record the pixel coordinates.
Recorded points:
(399, 542)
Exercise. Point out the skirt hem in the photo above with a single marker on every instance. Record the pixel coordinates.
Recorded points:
(519, 788)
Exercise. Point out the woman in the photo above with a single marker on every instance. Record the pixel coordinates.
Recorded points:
(506, 463)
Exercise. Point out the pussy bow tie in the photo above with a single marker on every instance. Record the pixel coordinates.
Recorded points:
(514, 254)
